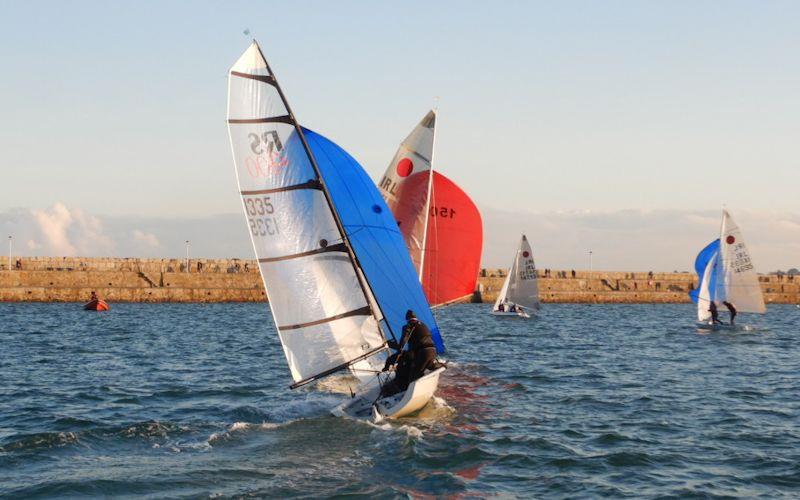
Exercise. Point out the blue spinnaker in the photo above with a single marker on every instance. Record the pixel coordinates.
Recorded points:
(700, 264)
(374, 236)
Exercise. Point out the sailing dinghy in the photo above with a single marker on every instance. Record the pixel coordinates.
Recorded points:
(334, 264)
(726, 274)
(520, 290)
(441, 225)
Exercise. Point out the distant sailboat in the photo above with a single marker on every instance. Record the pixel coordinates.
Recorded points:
(335, 267)
(726, 275)
(441, 225)
(520, 292)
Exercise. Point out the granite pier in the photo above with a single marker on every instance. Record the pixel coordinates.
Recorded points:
(72, 279)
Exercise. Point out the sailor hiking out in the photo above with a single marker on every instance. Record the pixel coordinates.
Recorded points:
(712, 308)
(420, 356)
(731, 309)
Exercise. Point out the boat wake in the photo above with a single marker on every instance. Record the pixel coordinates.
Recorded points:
(239, 428)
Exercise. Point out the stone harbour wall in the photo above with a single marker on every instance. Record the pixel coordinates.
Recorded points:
(628, 287)
(72, 279)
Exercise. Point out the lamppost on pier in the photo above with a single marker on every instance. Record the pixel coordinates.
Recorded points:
(187, 256)
(591, 267)
(9, 251)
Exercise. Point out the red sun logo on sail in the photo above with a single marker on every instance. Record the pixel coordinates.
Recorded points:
(405, 167)
(526, 254)
(730, 240)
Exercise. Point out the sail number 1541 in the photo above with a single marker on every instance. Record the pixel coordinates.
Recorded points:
(445, 212)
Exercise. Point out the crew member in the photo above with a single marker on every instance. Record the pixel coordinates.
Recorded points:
(731, 309)
(712, 308)
(421, 351)
(94, 296)
(418, 337)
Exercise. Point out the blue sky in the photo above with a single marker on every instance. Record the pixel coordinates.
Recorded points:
(118, 108)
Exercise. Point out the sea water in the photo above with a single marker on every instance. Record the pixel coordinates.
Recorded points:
(173, 400)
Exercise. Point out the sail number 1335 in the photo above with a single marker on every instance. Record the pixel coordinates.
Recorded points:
(259, 216)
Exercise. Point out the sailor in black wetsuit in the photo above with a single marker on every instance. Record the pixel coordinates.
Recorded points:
(731, 309)
(420, 356)
(712, 308)
(418, 337)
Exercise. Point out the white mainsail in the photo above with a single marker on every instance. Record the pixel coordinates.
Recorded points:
(736, 277)
(318, 297)
(522, 285)
(413, 158)
(501, 297)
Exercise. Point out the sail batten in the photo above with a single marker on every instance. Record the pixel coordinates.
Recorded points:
(261, 78)
(341, 247)
(312, 184)
(273, 119)
(362, 311)
(318, 298)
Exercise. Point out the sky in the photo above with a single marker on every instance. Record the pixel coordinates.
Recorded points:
(593, 125)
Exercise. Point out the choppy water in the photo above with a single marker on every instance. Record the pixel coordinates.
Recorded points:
(192, 400)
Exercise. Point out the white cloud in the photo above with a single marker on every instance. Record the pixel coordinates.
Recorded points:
(53, 224)
(636, 240)
(146, 239)
(58, 230)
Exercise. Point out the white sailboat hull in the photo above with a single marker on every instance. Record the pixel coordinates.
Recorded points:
(518, 314)
(708, 325)
(398, 405)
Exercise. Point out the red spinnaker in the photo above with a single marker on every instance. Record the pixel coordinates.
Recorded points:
(452, 253)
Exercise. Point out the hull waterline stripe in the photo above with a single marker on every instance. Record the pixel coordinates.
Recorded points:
(261, 78)
(274, 119)
(362, 311)
(312, 184)
(337, 368)
(339, 247)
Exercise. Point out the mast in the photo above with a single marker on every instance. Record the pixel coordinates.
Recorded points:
(371, 303)
(430, 194)
(336, 218)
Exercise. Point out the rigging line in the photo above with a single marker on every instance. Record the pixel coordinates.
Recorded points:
(435, 279)
(365, 370)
